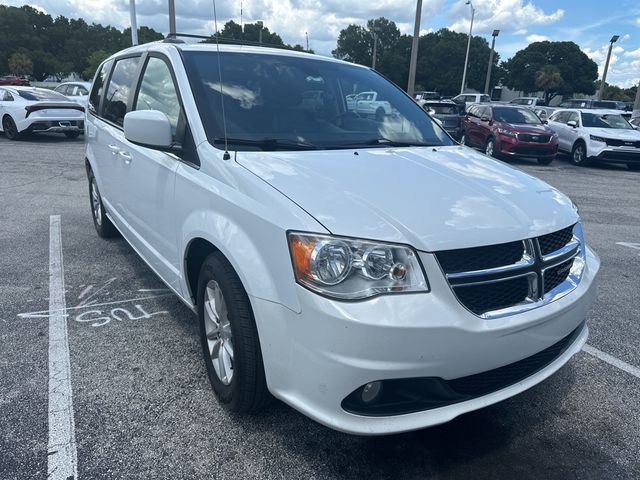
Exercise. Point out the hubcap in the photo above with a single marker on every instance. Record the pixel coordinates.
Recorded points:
(463, 140)
(95, 203)
(577, 155)
(218, 332)
(10, 128)
(489, 150)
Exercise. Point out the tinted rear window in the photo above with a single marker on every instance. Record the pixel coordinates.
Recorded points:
(42, 95)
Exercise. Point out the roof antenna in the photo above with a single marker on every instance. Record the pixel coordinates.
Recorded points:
(226, 155)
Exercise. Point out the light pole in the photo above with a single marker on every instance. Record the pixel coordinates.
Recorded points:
(613, 40)
(414, 50)
(134, 23)
(466, 58)
(490, 66)
(375, 48)
(306, 34)
(260, 27)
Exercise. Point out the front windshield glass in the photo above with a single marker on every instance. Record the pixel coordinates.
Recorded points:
(605, 121)
(278, 102)
(516, 116)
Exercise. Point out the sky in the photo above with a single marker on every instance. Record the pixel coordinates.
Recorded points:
(589, 23)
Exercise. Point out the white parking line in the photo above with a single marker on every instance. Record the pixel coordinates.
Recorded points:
(605, 357)
(62, 459)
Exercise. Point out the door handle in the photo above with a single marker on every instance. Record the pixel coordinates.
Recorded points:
(115, 149)
(126, 156)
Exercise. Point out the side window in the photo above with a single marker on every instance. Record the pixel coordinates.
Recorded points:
(573, 116)
(82, 91)
(158, 92)
(559, 117)
(7, 97)
(98, 84)
(118, 89)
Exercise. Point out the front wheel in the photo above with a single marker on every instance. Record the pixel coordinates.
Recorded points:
(490, 148)
(579, 155)
(380, 114)
(101, 222)
(229, 338)
(545, 161)
(10, 128)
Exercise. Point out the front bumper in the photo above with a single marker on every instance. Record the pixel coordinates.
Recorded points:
(516, 148)
(618, 155)
(316, 359)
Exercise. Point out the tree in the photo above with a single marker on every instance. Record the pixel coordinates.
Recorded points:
(355, 44)
(577, 72)
(20, 64)
(93, 62)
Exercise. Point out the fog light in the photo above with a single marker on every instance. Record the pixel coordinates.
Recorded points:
(371, 391)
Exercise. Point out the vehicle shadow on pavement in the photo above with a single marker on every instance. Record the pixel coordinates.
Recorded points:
(528, 436)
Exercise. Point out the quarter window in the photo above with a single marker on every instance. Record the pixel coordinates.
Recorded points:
(96, 90)
(158, 92)
(7, 97)
(117, 97)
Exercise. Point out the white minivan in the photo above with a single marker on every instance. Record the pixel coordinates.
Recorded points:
(366, 270)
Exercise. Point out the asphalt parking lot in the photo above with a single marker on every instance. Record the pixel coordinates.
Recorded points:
(142, 405)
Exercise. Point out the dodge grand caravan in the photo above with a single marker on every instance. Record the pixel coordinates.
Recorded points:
(365, 269)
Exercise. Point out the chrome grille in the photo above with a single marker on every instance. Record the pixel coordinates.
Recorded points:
(503, 279)
(533, 138)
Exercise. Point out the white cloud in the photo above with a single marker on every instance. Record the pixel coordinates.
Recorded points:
(506, 15)
(633, 53)
(638, 21)
(537, 38)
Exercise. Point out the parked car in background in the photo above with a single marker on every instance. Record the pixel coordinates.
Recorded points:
(38, 110)
(530, 102)
(367, 103)
(583, 103)
(448, 113)
(372, 274)
(75, 91)
(597, 135)
(467, 99)
(424, 96)
(14, 80)
(509, 131)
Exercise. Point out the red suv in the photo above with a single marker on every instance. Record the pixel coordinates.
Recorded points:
(502, 130)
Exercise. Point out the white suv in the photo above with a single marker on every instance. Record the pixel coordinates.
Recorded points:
(369, 272)
(596, 135)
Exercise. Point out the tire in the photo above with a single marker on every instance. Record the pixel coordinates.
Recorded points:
(579, 154)
(490, 148)
(229, 338)
(634, 167)
(72, 135)
(545, 161)
(10, 129)
(380, 114)
(101, 222)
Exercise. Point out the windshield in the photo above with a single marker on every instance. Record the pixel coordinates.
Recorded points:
(605, 121)
(40, 95)
(516, 116)
(278, 102)
(442, 109)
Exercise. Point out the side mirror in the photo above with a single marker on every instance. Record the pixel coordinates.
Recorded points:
(431, 111)
(485, 118)
(572, 123)
(148, 128)
(545, 121)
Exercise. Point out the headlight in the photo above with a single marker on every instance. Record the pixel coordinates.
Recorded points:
(508, 133)
(595, 138)
(351, 269)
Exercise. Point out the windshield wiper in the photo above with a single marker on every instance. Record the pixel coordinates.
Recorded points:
(268, 144)
(389, 143)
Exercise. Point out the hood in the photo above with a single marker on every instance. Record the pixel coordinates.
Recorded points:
(533, 129)
(617, 133)
(432, 198)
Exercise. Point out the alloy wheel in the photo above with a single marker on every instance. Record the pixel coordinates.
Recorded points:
(96, 204)
(489, 149)
(218, 332)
